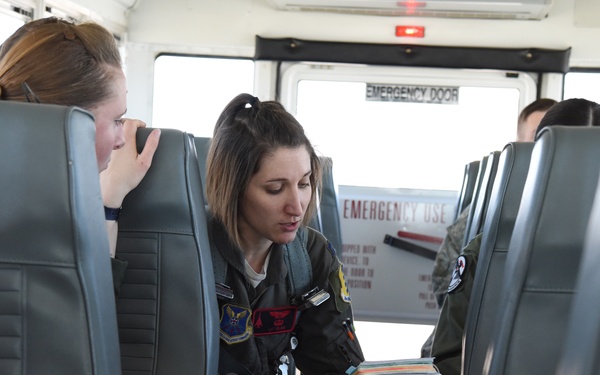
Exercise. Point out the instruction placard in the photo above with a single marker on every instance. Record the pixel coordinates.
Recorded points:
(387, 235)
(412, 94)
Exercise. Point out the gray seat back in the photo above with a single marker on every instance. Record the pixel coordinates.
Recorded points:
(476, 190)
(581, 348)
(481, 197)
(327, 217)
(167, 308)
(545, 251)
(468, 187)
(202, 145)
(57, 306)
(502, 211)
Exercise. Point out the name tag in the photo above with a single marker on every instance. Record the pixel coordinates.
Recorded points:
(274, 321)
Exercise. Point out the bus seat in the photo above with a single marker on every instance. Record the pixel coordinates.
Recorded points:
(474, 197)
(468, 187)
(581, 349)
(202, 145)
(167, 309)
(481, 197)
(505, 198)
(57, 305)
(326, 219)
(545, 250)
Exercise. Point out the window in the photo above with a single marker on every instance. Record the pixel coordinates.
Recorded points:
(8, 25)
(582, 85)
(395, 151)
(191, 92)
(403, 144)
(412, 145)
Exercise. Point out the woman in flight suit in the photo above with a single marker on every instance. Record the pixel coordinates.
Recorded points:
(262, 175)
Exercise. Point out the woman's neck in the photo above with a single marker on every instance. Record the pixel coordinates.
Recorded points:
(256, 255)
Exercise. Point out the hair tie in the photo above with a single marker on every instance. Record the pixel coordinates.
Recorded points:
(69, 34)
(253, 101)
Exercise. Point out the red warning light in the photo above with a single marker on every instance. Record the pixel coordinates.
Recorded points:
(410, 31)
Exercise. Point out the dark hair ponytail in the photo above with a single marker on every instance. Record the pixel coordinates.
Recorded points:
(247, 130)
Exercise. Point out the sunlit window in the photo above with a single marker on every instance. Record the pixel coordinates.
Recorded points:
(8, 25)
(582, 85)
(191, 92)
(417, 136)
(405, 145)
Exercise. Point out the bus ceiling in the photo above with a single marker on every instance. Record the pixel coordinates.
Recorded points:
(484, 9)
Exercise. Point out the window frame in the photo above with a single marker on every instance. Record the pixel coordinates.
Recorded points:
(294, 73)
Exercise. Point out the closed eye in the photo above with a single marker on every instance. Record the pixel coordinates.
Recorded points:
(275, 191)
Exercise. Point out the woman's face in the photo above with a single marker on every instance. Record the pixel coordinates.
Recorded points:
(276, 198)
(108, 118)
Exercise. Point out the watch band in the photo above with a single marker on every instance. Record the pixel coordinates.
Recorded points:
(112, 213)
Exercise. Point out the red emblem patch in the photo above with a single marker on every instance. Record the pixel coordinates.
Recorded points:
(274, 321)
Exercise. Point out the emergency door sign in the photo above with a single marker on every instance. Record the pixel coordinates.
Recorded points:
(412, 94)
(389, 240)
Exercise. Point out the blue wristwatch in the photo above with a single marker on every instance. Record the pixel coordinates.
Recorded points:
(112, 214)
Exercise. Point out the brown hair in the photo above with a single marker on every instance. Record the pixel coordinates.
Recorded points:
(543, 105)
(246, 131)
(62, 62)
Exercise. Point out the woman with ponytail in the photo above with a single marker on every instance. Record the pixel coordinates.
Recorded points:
(281, 289)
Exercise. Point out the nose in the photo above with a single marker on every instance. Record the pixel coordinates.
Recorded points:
(294, 205)
(119, 138)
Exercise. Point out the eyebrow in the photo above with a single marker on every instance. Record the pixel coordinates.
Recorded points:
(285, 179)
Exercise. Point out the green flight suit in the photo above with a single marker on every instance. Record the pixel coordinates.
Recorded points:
(448, 341)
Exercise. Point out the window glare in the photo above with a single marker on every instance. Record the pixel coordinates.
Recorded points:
(385, 341)
(582, 85)
(191, 92)
(8, 25)
(404, 145)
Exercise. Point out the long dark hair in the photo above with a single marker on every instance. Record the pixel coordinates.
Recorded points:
(571, 112)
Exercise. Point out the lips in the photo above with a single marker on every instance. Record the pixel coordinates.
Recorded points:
(290, 227)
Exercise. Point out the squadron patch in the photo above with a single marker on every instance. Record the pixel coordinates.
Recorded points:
(235, 323)
(459, 269)
(274, 321)
(340, 289)
(344, 292)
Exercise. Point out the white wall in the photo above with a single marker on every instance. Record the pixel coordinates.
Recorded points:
(111, 13)
(207, 25)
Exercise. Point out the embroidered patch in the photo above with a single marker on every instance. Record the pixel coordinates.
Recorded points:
(331, 249)
(344, 292)
(459, 269)
(274, 321)
(339, 288)
(235, 323)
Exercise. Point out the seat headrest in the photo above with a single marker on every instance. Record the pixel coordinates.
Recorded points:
(165, 185)
(545, 250)
(54, 250)
(48, 172)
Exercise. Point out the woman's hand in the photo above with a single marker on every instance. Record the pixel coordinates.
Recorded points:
(127, 168)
